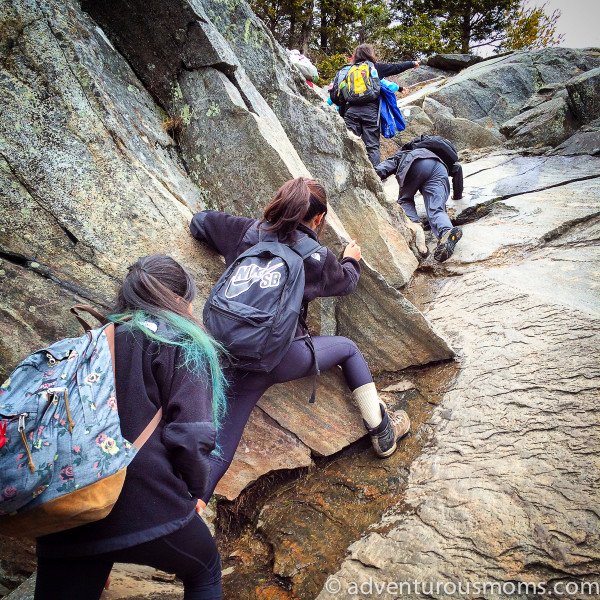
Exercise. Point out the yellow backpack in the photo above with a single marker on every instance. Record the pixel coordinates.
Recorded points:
(360, 83)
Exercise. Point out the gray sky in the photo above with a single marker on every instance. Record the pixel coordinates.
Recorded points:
(579, 21)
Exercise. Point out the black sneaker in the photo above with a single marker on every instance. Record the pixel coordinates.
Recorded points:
(445, 248)
(384, 437)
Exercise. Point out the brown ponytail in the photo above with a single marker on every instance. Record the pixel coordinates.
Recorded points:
(296, 201)
(362, 53)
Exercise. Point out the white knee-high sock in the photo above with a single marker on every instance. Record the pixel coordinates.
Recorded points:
(367, 400)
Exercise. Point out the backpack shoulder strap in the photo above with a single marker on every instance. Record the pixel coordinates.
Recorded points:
(305, 246)
(267, 236)
(148, 430)
(341, 74)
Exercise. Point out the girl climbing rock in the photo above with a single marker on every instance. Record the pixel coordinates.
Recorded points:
(362, 118)
(298, 210)
(163, 358)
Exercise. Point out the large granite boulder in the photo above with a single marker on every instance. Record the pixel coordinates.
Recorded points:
(417, 123)
(516, 100)
(498, 88)
(585, 141)
(82, 152)
(584, 95)
(453, 62)
(547, 124)
(464, 133)
(104, 159)
(414, 78)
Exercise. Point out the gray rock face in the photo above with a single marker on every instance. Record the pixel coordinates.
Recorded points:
(453, 62)
(436, 111)
(417, 123)
(266, 446)
(585, 141)
(467, 134)
(267, 100)
(520, 175)
(414, 77)
(506, 493)
(88, 154)
(520, 96)
(584, 95)
(548, 124)
(498, 88)
(100, 164)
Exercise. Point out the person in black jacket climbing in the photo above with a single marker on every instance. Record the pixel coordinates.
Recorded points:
(163, 359)
(422, 170)
(298, 210)
(363, 119)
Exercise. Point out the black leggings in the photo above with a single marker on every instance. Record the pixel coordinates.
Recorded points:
(247, 388)
(190, 553)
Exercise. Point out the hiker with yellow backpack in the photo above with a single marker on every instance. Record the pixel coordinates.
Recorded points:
(356, 90)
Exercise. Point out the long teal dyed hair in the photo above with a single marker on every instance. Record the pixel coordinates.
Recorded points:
(158, 287)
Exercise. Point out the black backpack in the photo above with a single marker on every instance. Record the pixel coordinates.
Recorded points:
(437, 144)
(253, 309)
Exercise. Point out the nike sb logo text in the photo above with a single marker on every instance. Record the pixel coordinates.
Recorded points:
(245, 276)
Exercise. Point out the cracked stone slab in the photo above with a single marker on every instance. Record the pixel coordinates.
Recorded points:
(519, 175)
(265, 446)
(528, 220)
(329, 424)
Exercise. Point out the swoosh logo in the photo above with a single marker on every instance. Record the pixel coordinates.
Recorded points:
(245, 276)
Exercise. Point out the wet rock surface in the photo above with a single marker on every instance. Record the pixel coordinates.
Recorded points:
(305, 524)
(507, 492)
(501, 177)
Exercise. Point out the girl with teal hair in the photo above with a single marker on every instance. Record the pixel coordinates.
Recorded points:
(163, 359)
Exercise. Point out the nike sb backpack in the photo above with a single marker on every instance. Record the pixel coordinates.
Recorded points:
(253, 309)
(62, 455)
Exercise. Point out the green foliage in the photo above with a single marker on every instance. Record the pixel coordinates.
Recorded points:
(474, 23)
(329, 66)
(530, 28)
(328, 30)
(424, 36)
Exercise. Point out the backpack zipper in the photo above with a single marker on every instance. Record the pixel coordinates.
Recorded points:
(21, 430)
(54, 392)
(235, 317)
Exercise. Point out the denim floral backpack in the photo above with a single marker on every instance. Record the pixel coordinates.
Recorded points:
(62, 456)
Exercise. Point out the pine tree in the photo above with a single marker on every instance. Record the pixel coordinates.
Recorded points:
(530, 28)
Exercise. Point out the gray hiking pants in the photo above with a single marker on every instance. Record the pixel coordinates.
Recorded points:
(428, 176)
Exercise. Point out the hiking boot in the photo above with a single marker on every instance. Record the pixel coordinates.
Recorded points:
(445, 248)
(385, 436)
